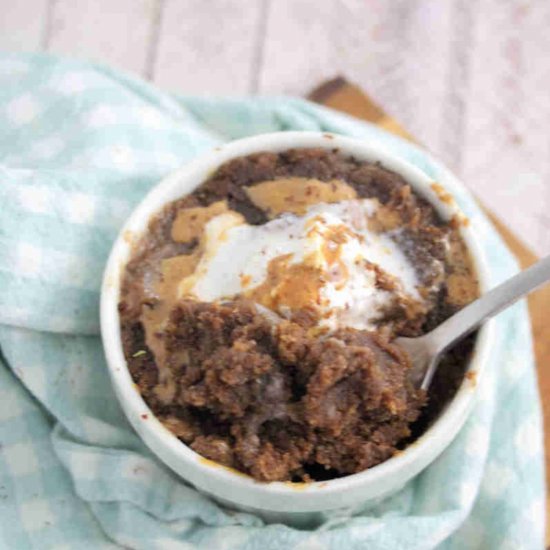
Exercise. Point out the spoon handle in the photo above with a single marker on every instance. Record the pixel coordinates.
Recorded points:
(491, 303)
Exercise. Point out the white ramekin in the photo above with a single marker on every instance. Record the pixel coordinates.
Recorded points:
(282, 501)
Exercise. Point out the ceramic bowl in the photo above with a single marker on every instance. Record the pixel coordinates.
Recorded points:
(280, 500)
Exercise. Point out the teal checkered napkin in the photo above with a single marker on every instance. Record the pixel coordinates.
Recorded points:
(79, 146)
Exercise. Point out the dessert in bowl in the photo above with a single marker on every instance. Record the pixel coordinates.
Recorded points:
(248, 313)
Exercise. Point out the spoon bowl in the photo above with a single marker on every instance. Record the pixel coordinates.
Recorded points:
(425, 351)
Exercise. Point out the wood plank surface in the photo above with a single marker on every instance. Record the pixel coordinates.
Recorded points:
(418, 75)
(343, 96)
(23, 25)
(119, 32)
(206, 49)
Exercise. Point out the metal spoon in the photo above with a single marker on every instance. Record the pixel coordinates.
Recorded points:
(425, 351)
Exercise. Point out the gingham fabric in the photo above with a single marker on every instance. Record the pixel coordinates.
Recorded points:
(79, 147)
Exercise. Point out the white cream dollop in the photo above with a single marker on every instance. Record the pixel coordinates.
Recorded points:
(339, 254)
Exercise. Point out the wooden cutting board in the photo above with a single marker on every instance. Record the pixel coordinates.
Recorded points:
(344, 96)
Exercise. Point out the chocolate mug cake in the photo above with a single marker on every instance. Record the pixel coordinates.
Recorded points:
(258, 314)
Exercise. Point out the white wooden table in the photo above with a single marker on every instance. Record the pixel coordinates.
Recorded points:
(470, 79)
